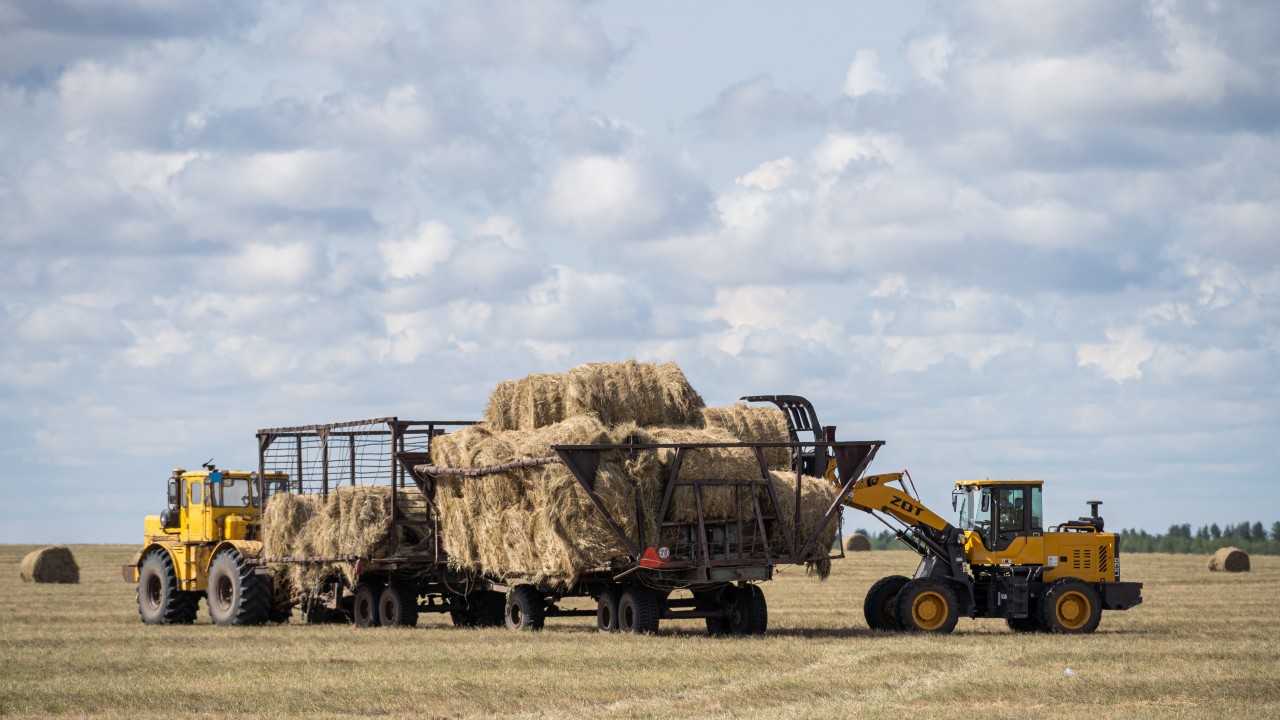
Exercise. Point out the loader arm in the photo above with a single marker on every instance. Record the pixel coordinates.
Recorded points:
(873, 493)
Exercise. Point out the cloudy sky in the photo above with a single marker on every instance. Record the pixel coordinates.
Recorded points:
(1010, 238)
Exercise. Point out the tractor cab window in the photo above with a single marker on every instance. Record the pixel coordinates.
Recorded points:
(231, 493)
(195, 488)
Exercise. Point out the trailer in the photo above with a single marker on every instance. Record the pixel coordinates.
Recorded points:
(700, 568)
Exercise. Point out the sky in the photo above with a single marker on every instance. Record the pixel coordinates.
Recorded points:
(1011, 238)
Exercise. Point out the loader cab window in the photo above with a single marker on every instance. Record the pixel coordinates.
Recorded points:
(1018, 513)
(975, 512)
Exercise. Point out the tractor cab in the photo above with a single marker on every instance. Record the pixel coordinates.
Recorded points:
(999, 511)
(207, 505)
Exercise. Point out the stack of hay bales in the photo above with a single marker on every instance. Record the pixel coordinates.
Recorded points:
(1229, 559)
(538, 524)
(53, 564)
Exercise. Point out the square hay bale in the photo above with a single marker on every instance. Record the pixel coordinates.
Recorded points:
(754, 423)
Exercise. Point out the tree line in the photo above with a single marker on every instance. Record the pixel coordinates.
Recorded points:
(1253, 538)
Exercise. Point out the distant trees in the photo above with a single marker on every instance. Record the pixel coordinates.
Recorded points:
(1253, 538)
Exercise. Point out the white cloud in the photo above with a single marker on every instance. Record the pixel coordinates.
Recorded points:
(770, 175)
(864, 76)
(930, 57)
(1121, 357)
(418, 255)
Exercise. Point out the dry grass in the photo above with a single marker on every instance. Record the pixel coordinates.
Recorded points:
(1203, 645)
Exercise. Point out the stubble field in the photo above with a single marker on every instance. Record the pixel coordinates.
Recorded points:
(1202, 645)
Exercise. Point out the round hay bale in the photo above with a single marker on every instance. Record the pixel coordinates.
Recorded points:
(857, 542)
(1229, 559)
(53, 564)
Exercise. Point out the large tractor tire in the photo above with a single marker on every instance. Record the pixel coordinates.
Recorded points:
(237, 595)
(398, 605)
(639, 610)
(607, 610)
(526, 608)
(364, 604)
(1070, 606)
(160, 602)
(878, 607)
(927, 605)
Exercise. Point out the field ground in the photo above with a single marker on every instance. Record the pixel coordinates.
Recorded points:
(1202, 645)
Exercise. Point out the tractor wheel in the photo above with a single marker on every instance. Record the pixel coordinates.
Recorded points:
(398, 605)
(526, 608)
(237, 595)
(927, 605)
(607, 611)
(877, 608)
(748, 612)
(1070, 606)
(364, 605)
(160, 602)
(638, 611)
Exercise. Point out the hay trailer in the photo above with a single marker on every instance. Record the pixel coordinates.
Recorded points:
(410, 573)
(700, 568)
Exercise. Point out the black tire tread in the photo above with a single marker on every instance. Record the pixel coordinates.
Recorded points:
(532, 608)
(902, 606)
(406, 597)
(646, 608)
(1048, 616)
(177, 607)
(253, 604)
(885, 590)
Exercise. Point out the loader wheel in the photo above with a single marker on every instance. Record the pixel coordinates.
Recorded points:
(526, 609)
(607, 611)
(237, 595)
(877, 608)
(398, 606)
(638, 611)
(927, 605)
(1070, 606)
(364, 605)
(160, 602)
(482, 608)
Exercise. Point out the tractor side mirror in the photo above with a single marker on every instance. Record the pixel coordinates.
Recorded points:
(173, 492)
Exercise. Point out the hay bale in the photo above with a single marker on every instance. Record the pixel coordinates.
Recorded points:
(1229, 559)
(616, 393)
(54, 564)
(857, 542)
(754, 423)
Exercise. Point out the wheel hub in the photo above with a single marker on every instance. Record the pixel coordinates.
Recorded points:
(929, 610)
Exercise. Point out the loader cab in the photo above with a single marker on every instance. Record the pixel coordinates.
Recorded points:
(999, 511)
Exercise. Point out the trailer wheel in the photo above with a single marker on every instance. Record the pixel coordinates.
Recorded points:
(927, 605)
(607, 611)
(748, 612)
(237, 595)
(364, 605)
(398, 606)
(638, 611)
(526, 609)
(877, 608)
(1070, 606)
(160, 602)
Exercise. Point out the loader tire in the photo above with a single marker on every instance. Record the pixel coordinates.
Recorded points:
(1070, 606)
(160, 602)
(877, 608)
(525, 608)
(398, 605)
(607, 610)
(237, 595)
(364, 605)
(927, 605)
(639, 609)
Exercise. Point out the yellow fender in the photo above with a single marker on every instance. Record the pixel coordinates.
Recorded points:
(249, 549)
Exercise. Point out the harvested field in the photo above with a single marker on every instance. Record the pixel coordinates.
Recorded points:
(1229, 559)
(1201, 646)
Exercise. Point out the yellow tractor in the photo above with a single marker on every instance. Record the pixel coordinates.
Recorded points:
(205, 544)
(1000, 562)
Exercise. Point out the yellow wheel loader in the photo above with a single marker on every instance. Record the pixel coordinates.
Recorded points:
(205, 544)
(999, 562)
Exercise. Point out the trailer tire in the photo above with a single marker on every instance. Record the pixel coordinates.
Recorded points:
(398, 606)
(237, 594)
(525, 608)
(749, 612)
(877, 608)
(638, 611)
(364, 605)
(607, 611)
(927, 605)
(1070, 606)
(160, 602)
